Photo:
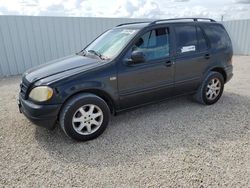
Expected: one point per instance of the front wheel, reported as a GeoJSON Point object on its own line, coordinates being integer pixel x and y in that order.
{"type": "Point", "coordinates": [211, 89]}
{"type": "Point", "coordinates": [84, 117]}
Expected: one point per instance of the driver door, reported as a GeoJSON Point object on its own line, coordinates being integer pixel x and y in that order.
{"type": "Point", "coordinates": [152, 79]}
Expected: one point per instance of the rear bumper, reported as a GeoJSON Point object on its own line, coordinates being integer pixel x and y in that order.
{"type": "Point", "coordinates": [229, 72]}
{"type": "Point", "coordinates": [41, 115]}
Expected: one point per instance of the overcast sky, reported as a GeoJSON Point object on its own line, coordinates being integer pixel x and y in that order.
{"type": "Point", "coordinates": [231, 9]}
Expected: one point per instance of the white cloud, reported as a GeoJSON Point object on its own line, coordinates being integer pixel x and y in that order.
{"type": "Point", "coordinates": [35, 7]}
{"type": "Point", "coordinates": [233, 9]}
{"type": "Point", "coordinates": [138, 9]}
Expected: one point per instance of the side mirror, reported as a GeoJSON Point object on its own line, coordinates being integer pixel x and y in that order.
{"type": "Point", "coordinates": [138, 56]}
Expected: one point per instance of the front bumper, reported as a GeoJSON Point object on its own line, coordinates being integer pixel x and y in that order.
{"type": "Point", "coordinates": [41, 115]}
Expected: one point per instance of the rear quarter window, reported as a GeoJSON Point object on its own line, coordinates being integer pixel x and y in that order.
{"type": "Point", "coordinates": [218, 36]}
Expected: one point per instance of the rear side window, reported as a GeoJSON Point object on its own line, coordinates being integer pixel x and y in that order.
{"type": "Point", "coordinates": [218, 36]}
{"type": "Point", "coordinates": [202, 41]}
{"type": "Point", "coordinates": [186, 39]}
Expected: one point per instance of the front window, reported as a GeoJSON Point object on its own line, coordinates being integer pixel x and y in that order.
{"type": "Point", "coordinates": [111, 43]}
{"type": "Point", "coordinates": [154, 44]}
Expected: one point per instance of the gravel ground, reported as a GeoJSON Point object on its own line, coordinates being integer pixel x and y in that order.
{"type": "Point", "coordinates": [178, 143]}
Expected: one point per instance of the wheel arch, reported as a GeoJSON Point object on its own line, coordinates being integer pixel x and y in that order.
{"type": "Point", "coordinates": [221, 71]}
{"type": "Point", "coordinates": [102, 94]}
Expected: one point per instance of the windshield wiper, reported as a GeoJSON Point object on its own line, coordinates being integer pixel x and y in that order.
{"type": "Point", "coordinates": [82, 52]}
{"type": "Point", "coordinates": [97, 54]}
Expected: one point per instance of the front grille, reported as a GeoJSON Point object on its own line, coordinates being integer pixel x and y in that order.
{"type": "Point", "coordinates": [24, 89]}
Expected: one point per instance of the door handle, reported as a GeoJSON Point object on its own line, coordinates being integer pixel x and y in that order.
{"type": "Point", "coordinates": [169, 63]}
{"type": "Point", "coordinates": [207, 56]}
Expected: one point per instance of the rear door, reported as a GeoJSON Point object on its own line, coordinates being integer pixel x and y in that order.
{"type": "Point", "coordinates": [150, 80]}
{"type": "Point", "coordinates": [191, 57]}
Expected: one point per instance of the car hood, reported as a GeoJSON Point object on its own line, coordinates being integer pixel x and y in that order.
{"type": "Point", "coordinates": [59, 66]}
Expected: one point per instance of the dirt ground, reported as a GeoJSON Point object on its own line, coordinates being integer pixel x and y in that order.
{"type": "Point", "coordinates": [178, 143]}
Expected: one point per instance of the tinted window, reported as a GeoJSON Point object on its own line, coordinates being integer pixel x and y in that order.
{"type": "Point", "coordinates": [154, 44]}
{"type": "Point", "coordinates": [186, 39]}
{"type": "Point", "coordinates": [218, 36]}
{"type": "Point", "coordinates": [202, 41]}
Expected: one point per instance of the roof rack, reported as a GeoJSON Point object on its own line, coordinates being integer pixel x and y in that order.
{"type": "Point", "coordinates": [173, 19]}
{"type": "Point", "coordinates": [166, 20]}
{"type": "Point", "coordinates": [129, 23]}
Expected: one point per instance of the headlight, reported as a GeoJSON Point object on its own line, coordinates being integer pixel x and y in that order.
{"type": "Point", "coordinates": [41, 93]}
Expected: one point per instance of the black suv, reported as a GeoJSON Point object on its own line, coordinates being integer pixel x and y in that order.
{"type": "Point", "coordinates": [128, 66]}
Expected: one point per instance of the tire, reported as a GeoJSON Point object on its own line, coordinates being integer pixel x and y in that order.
{"type": "Point", "coordinates": [204, 92]}
{"type": "Point", "coordinates": [84, 117]}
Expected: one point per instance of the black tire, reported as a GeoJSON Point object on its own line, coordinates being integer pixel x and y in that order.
{"type": "Point", "coordinates": [201, 96]}
{"type": "Point", "coordinates": [70, 108]}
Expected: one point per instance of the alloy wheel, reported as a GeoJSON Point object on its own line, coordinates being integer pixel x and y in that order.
{"type": "Point", "coordinates": [87, 119]}
{"type": "Point", "coordinates": [213, 89]}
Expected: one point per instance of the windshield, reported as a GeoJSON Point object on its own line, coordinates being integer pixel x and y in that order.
{"type": "Point", "coordinates": [110, 43]}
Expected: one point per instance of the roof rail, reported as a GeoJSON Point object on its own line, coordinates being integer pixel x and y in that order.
{"type": "Point", "coordinates": [173, 19]}
{"type": "Point", "coordinates": [166, 20]}
{"type": "Point", "coordinates": [129, 23]}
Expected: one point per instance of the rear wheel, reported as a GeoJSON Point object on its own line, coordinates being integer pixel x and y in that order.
{"type": "Point", "coordinates": [211, 89]}
{"type": "Point", "coordinates": [84, 117]}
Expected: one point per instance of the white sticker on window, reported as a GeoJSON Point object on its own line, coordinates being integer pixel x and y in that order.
{"type": "Point", "coordinates": [128, 31]}
{"type": "Point", "coordinates": [188, 49]}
